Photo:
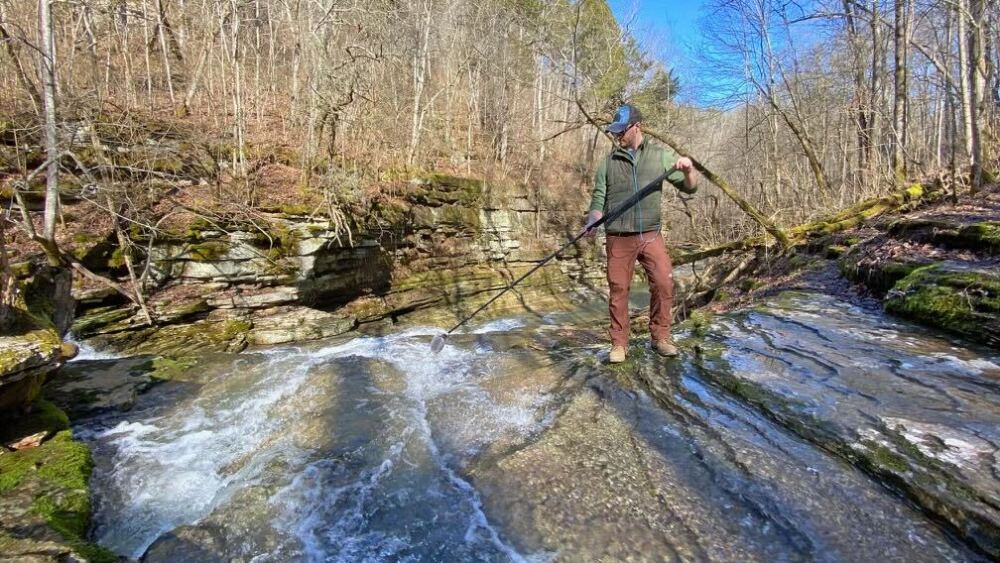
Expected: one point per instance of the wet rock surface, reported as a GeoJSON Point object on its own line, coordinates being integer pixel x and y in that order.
{"type": "Point", "coordinates": [760, 443]}
{"type": "Point", "coordinates": [915, 411]}
{"type": "Point", "coordinates": [92, 387]}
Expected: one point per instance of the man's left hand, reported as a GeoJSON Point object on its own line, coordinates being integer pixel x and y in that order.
{"type": "Point", "coordinates": [684, 164]}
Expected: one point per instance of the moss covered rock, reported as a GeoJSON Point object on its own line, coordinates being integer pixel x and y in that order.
{"type": "Point", "coordinates": [443, 189]}
{"type": "Point", "coordinates": [961, 299]}
{"type": "Point", "coordinates": [101, 320]}
{"type": "Point", "coordinates": [26, 359]}
{"type": "Point", "coordinates": [44, 496]}
{"type": "Point", "coordinates": [209, 335]}
{"type": "Point", "coordinates": [93, 387]}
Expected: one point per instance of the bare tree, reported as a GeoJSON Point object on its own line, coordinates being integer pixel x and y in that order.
{"type": "Point", "coordinates": [47, 76]}
{"type": "Point", "coordinates": [899, 114]}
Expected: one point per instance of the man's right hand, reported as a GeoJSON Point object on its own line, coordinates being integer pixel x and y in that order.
{"type": "Point", "coordinates": [593, 217]}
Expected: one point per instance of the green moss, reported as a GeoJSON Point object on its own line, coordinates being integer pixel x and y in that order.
{"type": "Point", "coordinates": [21, 270]}
{"type": "Point", "coordinates": [451, 183]}
{"type": "Point", "coordinates": [295, 209]}
{"type": "Point", "coordinates": [985, 235]}
{"type": "Point", "coordinates": [59, 470]}
{"type": "Point", "coordinates": [68, 517]}
{"type": "Point", "coordinates": [9, 359]}
{"type": "Point", "coordinates": [720, 295]}
{"type": "Point", "coordinates": [914, 191]}
{"type": "Point", "coordinates": [196, 229]}
{"type": "Point", "coordinates": [636, 357]}
{"type": "Point", "coordinates": [947, 231]}
{"type": "Point", "coordinates": [233, 328]}
{"type": "Point", "coordinates": [79, 252]}
{"type": "Point", "coordinates": [962, 301]}
{"type": "Point", "coordinates": [37, 297]}
{"type": "Point", "coordinates": [167, 369]}
{"type": "Point", "coordinates": [878, 276]}
{"type": "Point", "coordinates": [87, 238]}
{"type": "Point", "coordinates": [836, 250]}
{"type": "Point", "coordinates": [117, 258]}
{"type": "Point", "coordinates": [185, 310]}
{"type": "Point", "coordinates": [168, 163]}
{"type": "Point", "coordinates": [460, 216]}
{"type": "Point", "coordinates": [60, 461]}
{"type": "Point", "coordinates": [208, 251]}
{"type": "Point", "coordinates": [446, 277]}
{"type": "Point", "coordinates": [799, 261]}
{"type": "Point", "coordinates": [884, 458]}
{"type": "Point", "coordinates": [281, 241]}
{"type": "Point", "coordinates": [699, 321]}
{"type": "Point", "coordinates": [393, 212]}
{"type": "Point", "coordinates": [96, 320]}
{"type": "Point", "coordinates": [179, 340]}
{"type": "Point", "coordinates": [445, 189]}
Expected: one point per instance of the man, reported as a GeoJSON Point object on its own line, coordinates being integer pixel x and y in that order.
{"type": "Point", "coordinates": [633, 164]}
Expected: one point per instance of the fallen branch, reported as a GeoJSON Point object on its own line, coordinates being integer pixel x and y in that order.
{"type": "Point", "coordinates": [840, 221]}
{"type": "Point", "coordinates": [723, 185]}
{"type": "Point", "coordinates": [867, 209]}
{"type": "Point", "coordinates": [736, 245]}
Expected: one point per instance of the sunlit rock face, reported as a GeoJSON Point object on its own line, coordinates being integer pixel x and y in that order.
{"type": "Point", "coordinates": [445, 244]}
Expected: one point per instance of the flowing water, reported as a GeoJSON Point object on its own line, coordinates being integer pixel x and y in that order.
{"type": "Point", "coordinates": [509, 445]}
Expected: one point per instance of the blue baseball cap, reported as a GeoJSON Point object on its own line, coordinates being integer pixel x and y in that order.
{"type": "Point", "coordinates": [625, 116]}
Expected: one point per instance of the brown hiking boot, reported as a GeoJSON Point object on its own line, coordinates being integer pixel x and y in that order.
{"type": "Point", "coordinates": [665, 347]}
{"type": "Point", "coordinates": [617, 354]}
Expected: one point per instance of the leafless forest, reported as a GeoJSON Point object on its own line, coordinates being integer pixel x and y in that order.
{"type": "Point", "coordinates": [807, 107]}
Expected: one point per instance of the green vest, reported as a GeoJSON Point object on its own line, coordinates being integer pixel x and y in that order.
{"type": "Point", "coordinates": [627, 175]}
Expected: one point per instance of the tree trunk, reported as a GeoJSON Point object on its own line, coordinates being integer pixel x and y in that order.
{"type": "Point", "coordinates": [899, 100]}
{"type": "Point", "coordinates": [421, 59]}
{"type": "Point", "coordinates": [123, 247]}
{"type": "Point", "coordinates": [965, 86]}
{"type": "Point", "coordinates": [860, 115]}
{"type": "Point", "coordinates": [8, 284]}
{"type": "Point", "coordinates": [977, 79]}
{"type": "Point", "coordinates": [161, 28]}
{"type": "Point", "coordinates": [48, 78]}
{"type": "Point", "coordinates": [874, 120]}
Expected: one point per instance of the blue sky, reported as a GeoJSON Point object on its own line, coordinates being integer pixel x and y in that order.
{"type": "Point", "coordinates": [668, 29]}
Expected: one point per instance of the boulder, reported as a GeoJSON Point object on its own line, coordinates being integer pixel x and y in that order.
{"type": "Point", "coordinates": [44, 494]}
{"type": "Point", "coordinates": [25, 361]}
{"type": "Point", "coordinates": [960, 298]}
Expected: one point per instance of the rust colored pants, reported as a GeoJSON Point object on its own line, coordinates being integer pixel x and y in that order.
{"type": "Point", "coordinates": [651, 251]}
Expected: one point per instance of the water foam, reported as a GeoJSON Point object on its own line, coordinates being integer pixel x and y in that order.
{"type": "Point", "coordinates": [176, 468]}
{"type": "Point", "coordinates": [87, 352]}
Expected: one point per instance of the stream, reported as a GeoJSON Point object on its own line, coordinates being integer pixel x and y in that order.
{"type": "Point", "coordinates": [516, 443]}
